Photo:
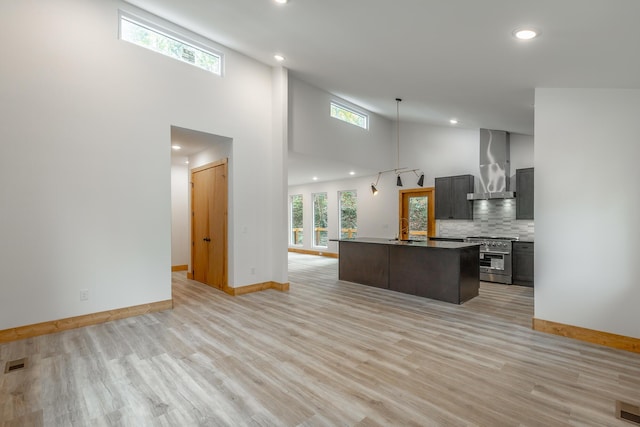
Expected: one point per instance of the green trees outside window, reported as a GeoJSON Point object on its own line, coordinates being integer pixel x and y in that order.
{"type": "Point", "coordinates": [418, 219]}
{"type": "Point", "coordinates": [348, 213]}
{"type": "Point", "coordinates": [320, 235]}
{"type": "Point", "coordinates": [297, 231]}
{"type": "Point", "coordinates": [348, 115]}
{"type": "Point", "coordinates": [156, 41]}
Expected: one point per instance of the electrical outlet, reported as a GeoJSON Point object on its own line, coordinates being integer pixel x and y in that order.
{"type": "Point", "coordinates": [84, 294]}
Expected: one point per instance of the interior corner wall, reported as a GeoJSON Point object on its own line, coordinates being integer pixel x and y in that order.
{"type": "Point", "coordinates": [85, 160]}
{"type": "Point", "coordinates": [278, 163]}
{"type": "Point", "coordinates": [587, 204]}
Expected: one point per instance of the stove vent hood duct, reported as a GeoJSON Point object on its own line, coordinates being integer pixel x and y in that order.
{"type": "Point", "coordinates": [494, 166]}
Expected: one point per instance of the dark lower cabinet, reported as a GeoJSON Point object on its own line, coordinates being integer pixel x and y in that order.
{"type": "Point", "coordinates": [365, 264]}
{"type": "Point", "coordinates": [441, 274]}
{"type": "Point", "coordinates": [522, 263]}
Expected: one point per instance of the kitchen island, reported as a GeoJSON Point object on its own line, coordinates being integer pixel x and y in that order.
{"type": "Point", "coordinates": [445, 271]}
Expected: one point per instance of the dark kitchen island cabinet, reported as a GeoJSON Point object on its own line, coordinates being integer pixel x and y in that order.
{"type": "Point", "coordinates": [451, 197]}
{"type": "Point", "coordinates": [445, 271]}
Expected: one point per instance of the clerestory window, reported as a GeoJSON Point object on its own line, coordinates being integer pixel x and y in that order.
{"type": "Point", "coordinates": [164, 41]}
{"type": "Point", "coordinates": [349, 115]}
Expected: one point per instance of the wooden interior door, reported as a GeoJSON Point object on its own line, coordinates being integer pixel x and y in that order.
{"type": "Point", "coordinates": [411, 228]}
{"type": "Point", "coordinates": [209, 224]}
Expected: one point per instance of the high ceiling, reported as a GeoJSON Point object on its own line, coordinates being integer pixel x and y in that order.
{"type": "Point", "coordinates": [445, 58]}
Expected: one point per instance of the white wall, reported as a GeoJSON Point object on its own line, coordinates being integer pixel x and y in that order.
{"type": "Point", "coordinates": [180, 231]}
{"type": "Point", "coordinates": [313, 132]}
{"type": "Point", "coordinates": [439, 150]}
{"type": "Point", "coordinates": [522, 154]}
{"type": "Point", "coordinates": [85, 161]}
{"type": "Point", "coordinates": [587, 204]}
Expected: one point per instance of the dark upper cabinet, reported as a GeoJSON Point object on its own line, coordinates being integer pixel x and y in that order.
{"type": "Point", "coordinates": [451, 197]}
{"type": "Point", "coordinates": [524, 193]}
{"type": "Point", "coordinates": [443, 198]}
{"type": "Point", "coordinates": [522, 263]}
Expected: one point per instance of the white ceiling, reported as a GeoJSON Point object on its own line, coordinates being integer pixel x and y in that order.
{"type": "Point", "coordinates": [302, 169]}
{"type": "Point", "coordinates": [191, 142]}
{"type": "Point", "coordinates": [445, 58]}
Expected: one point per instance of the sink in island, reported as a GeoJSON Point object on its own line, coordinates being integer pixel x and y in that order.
{"type": "Point", "coordinates": [445, 271]}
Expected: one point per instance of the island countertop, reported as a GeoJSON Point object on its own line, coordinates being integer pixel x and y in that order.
{"type": "Point", "coordinates": [417, 243]}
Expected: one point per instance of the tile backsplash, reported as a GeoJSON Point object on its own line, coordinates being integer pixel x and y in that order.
{"type": "Point", "coordinates": [490, 218]}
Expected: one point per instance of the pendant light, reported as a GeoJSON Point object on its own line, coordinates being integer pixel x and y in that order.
{"type": "Point", "coordinates": [398, 170]}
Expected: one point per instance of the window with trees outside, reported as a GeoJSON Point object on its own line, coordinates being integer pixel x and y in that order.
{"type": "Point", "coordinates": [160, 40]}
{"type": "Point", "coordinates": [348, 201]}
{"type": "Point", "coordinates": [418, 211]}
{"type": "Point", "coordinates": [296, 217]}
{"type": "Point", "coordinates": [320, 235]}
{"type": "Point", "coordinates": [349, 115]}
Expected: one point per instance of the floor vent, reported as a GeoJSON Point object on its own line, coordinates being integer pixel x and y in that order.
{"type": "Point", "coordinates": [628, 412]}
{"type": "Point", "coordinates": [15, 365]}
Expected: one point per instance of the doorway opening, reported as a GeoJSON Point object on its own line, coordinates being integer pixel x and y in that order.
{"type": "Point", "coordinates": [192, 150]}
{"type": "Point", "coordinates": [417, 219]}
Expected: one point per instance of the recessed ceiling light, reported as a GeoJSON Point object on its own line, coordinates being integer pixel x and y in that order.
{"type": "Point", "coordinates": [186, 162]}
{"type": "Point", "coordinates": [352, 173]}
{"type": "Point", "coordinates": [278, 58]}
{"type": "Point", "coordinates": [281, 1]}
{"type": "Point", "coordinates": [315, 178]}
{"type": "Point", "coordinates": [453, 121]}
{"type": "Point", "coordinates": [525, 33]}
{"type": "Point", "coordinates": [176, 147]}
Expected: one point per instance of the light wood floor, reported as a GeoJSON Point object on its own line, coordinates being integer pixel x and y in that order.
{"type": "Point", "coordinates": [326, 353]}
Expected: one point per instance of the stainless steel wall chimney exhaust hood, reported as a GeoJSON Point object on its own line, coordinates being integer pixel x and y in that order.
{"type": "Point", "coordinates": [495, 169]}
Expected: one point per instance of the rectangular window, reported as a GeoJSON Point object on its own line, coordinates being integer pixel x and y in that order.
{"type": "Point", "coordinates": [348, 214]}
{"type": "Point", "coordinates": [418, 217]}
{"type": "Point", "coordinates": [320, 235]}
{"type": "Point", "coordinates": [164, 41]}
{"type": "Point", "coordinates": [349, 115]}
{"type": "Point", "coordinates": [295, 212]}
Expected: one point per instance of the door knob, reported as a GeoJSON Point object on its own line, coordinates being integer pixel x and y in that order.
{"type": "Point", "coordinates": [206, 239]}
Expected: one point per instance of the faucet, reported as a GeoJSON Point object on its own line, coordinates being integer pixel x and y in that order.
{"type": "Point", "coordinates": [404, 228]}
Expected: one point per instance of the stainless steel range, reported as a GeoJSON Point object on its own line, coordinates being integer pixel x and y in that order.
{"type": "Point", "coordinates": [495, 258]}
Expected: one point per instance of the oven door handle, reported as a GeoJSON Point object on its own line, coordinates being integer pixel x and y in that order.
{"type": "Point", "coordinates": [497, 253]}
